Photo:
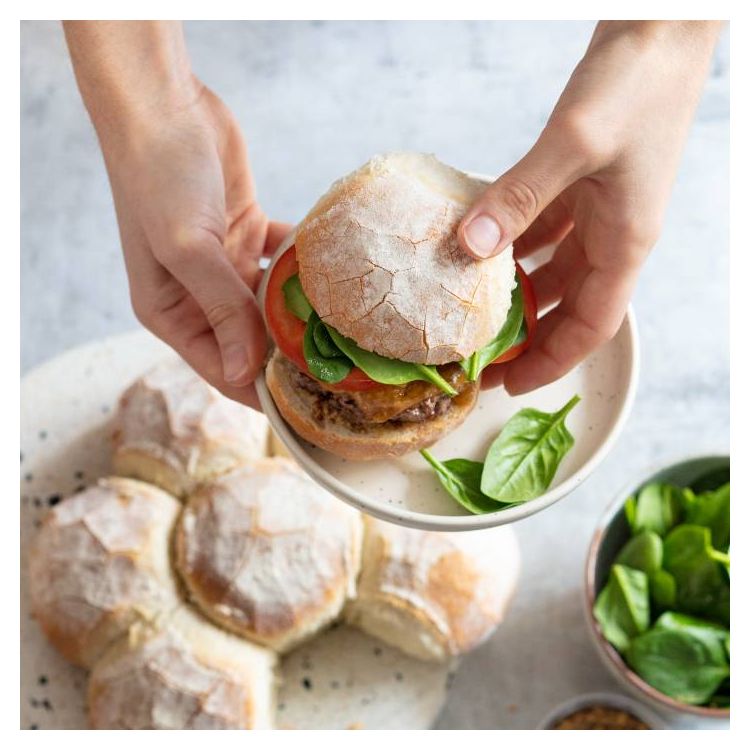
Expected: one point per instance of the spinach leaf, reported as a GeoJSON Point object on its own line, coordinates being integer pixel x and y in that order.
{"type": "Point", "coordinates": [711, 480]}
{"type": "Point", "coordinates": [663, 589]}
{"type": "Point", "coordinates": [523, 459]}
{"type": "Point", "coordinates": [622, 608]}
{"type": "Point", "coordinates": [330, 369]}
{"type": "Point", "coordinates": [505, 338]}
{"type": "Point", "coordinates": [324, 342]}
{"type": "Point", "coordinates": [295, 299]}
{"type": "Point", "coordinates": [702, 584]}
{"type": "Point", "coordinates": [629, 509]}
{"type": "Point", "coordinates": [711, 509]}
{"type": "Point", "coordinates": [389, 371]}
{"type": "Point", "coordinates": [461, 478]}
{"type": "Point", "coordinates": [678, 663]}
{"type": "Point", "coordinates": [642, 552]}
{"type": "Point", "coordinates": [658, 509]}
{"type": "Point", "coordinates": [713, 636]}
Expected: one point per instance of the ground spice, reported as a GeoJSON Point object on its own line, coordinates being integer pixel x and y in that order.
{"type": "Point", "coordinates": [600, 717]}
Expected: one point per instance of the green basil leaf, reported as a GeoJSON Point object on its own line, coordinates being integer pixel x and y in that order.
{"type": "Point", "coordinates": [711, 509]}
{"type": "Point", "coordinates": [504, 340]}
{"type": "Point", "coordinates": [702, 583]}
{"type": "Point", "coordinates": [663, 589]}
{"type": "Point", "coordinates": [328, 369]}
{"type": "Point", "coordinates": [658, 508]}
{"type": "Point", "coordinates": [461, 478]}
{"type": "Point", "coordinates": [389, 371]}
{"type": "Point", "coordinates": [642, 552]}
{"type": "Point", "coordinates": [678, 664]}
{"type": "Point", "coordinates": [295, 298]}
{"type": "Point", "coordinates": [622, 607]}
{"type": "Point", "coordinates": [523, 459]}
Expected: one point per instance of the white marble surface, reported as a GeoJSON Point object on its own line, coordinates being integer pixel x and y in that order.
{"type": "Point", "coordinates": [315, 100]}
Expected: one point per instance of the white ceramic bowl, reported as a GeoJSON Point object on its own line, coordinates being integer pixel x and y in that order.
{"type": "Point", "coordinates": [610, 535]}
{"type": "Point", "coordinates": [405, 491]}
{"type": "Point", "coordinates": [610, 700]}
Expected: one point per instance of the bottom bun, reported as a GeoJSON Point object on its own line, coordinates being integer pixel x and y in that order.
{"type": "Point", "coordinates": [389, 439]}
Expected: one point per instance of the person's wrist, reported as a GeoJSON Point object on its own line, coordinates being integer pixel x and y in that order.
{"type": "Point", "coordinates": [686, 36]}
{"type": "Point", "coordinates": [131, 74]}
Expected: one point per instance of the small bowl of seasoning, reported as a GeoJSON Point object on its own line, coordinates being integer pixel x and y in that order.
{"type": "Point", "coordinates": [601, 711]}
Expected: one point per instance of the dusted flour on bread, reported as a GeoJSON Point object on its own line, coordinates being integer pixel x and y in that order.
{"type": "Point", "coordinates": [434, 594]}
{"type": "Point", "coordinates": [176, 431]}
{"type": "Point", "coordinates": [183, 674]}
{"type": "Point", "coordinates": [101, 563]}
{"type": "Point", "coordinates": [268, 553]}
{"type": "Point", "coordinates": [379, 261]}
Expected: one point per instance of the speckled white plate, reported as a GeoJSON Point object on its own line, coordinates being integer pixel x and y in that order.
{"type": "Point", "coordinates": [407, 492]}
{"type": "Point", "coordinates": [342, 679]}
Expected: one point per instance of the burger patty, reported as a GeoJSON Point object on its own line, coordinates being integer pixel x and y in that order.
{"type": "Point", "coordinates": [387, 404]}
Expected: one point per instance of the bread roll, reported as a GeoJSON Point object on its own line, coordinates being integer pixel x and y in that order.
{"type": "Point", "coordinates": [276, 447]}
{"type": "Point", "coordinates": [182, 673]}
{"type": "Point", "coordinates": [379, 261]}
{"type": "Point", "coordinates": [434, 594]}
{"type": "Point", "coordinates": [176, 431]}
{"type": "Point", "coordinates": [100, 563]}
{"type": "Point", "coordinates": [268, 554]}
{"type": "Point", "coordinates": [363, 443]}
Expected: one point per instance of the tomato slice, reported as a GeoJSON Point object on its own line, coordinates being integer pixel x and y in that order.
{"type": "Point", "coordinates": [288, 330]}
{"type": "Point", "coordinates": [529, 316]}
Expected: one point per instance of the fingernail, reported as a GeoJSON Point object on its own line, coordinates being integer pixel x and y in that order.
{"type": "Point", "coordinates": [234, 360]}
{"type": "Point", "coordinates": [483, 234]}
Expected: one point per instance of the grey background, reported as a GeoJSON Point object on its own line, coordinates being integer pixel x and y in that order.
{"type": "Point", "coordinates": [315, 100]}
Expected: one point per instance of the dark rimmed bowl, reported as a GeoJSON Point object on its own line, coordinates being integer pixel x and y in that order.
{"type": "Point", "coordinates": [611, 534]}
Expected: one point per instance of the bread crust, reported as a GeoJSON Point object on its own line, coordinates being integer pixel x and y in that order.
{"type": "Point", "coordinates": [385, 440]}
{"type": "Point", "coordinates": [379, 261]}
{"type": "Point", "coordinates": [174, 430]}
{"type": "Point", "coordinates": [268, 554]}
{"type": "Point", "coordinates": [434, 595]}
{"type": "Point", "coordinates": [100, 563]}
{"type": "Point", "coordinates": [182, 673]}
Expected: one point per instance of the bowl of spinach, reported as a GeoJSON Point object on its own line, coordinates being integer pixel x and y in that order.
{"type": "Point", "coordinates": [657, 587]}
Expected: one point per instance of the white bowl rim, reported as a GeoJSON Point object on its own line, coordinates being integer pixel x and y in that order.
{"type": "Point", "coordinates": [431, 521]}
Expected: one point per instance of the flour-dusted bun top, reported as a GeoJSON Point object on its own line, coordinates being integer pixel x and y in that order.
{"type": "Point", "coordinates": [101, 563]}
{"type": "Point", "coordinates": [434, 594]}
{"type": "Point", "coordinates": [379, 261]}
{"type": "Point", "coordinates": [267, 553]}
{"type": "Point", "coordinates": [175, 430]}
{"type": "Point", "coordinates": [182, 673]}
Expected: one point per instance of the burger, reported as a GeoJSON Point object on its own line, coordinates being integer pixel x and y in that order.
{"type": "Point", "coordinates": [382, 325]}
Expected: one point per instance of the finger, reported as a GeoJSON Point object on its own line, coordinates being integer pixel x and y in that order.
{"type": "Point", "coordinates": [197, 260]}
{"type": "Point", "coordinates": [549, 228]}
{"type": "Point", "coordinates": [552, 280]}
{"type": "Point", "coordinates": [589, 315]}
{"type": "Point", "coordinates": [200, 352]}
{"type": "Point", "coordinates": [508, 207]}
{"type": "Point", "coordinates": [185, 328]}
{"type": "Point", "coordinates": [277, 233]}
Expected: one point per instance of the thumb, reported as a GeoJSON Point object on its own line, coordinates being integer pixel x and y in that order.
{"type": "Point", "coordinates": [201, 266]}
{"type": "Point", "coordinates": [508, 207]}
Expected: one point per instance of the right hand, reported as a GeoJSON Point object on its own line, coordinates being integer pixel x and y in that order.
{"type": "Point", "coordinates": [192, 233]}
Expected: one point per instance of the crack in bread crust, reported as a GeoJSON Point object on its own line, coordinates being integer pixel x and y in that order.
{"type": "Point", "coordinates": [379, 261]}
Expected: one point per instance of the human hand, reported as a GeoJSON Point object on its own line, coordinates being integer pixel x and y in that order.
{"type": "Point", "coordinates": [595, 184]}
{"type": "Point", "coordinates": [191, 228]}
